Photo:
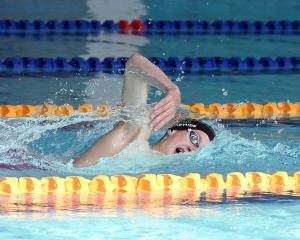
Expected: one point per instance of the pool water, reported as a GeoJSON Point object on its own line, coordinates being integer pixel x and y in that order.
{"type": "Point", "coordinates": [267, 218]}
{"type": "Point", "coordinates": [43, 146]}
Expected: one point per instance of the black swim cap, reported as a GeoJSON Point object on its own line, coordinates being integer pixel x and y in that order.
{"type": "Point", "coordinates": [195, 124]}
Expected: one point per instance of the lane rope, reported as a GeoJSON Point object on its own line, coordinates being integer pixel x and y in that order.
{"type": "Point", "coordinates": [250, 181]}
{"type": "Point", "coordinates": [137, 26]}
{"type": "Point", "coordinates": [230, 111]}
{"type": "Point", "coordinates": [174, 64]}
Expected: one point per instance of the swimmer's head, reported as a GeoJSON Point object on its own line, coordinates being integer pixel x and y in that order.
{"type": "Point", "coordinates": [186, 136]}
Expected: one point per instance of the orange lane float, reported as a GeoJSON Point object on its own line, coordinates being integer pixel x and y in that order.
{"type": "Point", "coordinates": [249, 182]}
{"type": "Point", "coordinates": [247, 110]}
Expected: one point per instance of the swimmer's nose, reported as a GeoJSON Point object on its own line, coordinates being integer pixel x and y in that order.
{"type": "Point", "coordinates": [192, 148]}
{"type": "Point", "coordinates": [186, 148]}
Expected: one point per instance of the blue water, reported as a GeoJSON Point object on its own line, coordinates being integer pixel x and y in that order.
{"type": "Point", "coordinates": [46, 144]}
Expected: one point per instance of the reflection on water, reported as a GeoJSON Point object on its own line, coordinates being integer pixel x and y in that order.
{"type": "Point", "coordinates": [171, 204]}
{"type": "Point", "coordinates": [181, 220]}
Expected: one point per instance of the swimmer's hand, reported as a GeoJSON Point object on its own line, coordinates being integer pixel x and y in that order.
{"type": "Point", "coordinates": [165, 109]}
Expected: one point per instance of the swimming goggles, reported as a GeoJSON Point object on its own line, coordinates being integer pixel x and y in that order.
{"type": "Point", "coordinates": [195, 124]}
{"type": "Point", "coordinates": [194, 138]}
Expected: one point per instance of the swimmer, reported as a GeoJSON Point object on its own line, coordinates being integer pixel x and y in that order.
{"type": "Point", "coordinates": [186, 136]}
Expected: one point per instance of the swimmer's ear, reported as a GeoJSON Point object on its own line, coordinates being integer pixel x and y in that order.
{"type": "Point", "coordinates": [170, 132]}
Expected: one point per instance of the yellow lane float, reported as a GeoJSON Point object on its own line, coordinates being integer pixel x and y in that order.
{"type": "Point", "coordinates": [248, 182]}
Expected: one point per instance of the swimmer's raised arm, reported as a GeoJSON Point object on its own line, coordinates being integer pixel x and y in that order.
{"type": "Point", "coordinates": [139, 72]}
{"type": "Point", "coordinates": [142, 70]}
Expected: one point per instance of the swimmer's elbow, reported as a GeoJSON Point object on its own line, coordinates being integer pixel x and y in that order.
{"type": "Point", "coordinates": [135, 58]}
{"type": "Point", "coordinates": [82, 162]}
{"type": "Point", "coordinates": [77, 163]}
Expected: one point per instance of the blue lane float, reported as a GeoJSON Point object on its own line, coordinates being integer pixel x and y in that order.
{"type": "Point", "coordinates": [174, 64]}
{"type": "Point", "coordinates": [149, 27]}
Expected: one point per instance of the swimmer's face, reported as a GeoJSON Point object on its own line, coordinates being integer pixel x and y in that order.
{"type": "Point", "coordinates": [179, 141]}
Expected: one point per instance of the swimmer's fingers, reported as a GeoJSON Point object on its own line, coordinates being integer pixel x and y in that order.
{"type": "Point", "coordinates": [161, 108]}
{"type": "Point", "coordinates": [162, 119]}
{"type": "Point", "coordinates": [173, 95]}
{"type": "Point", "coordinates": [168, 106]}
{"type": "Point", "coordinates": [165, 110]}
{"type": "Point", "coordinates": [163, 122]}
{"type": "Point", "coordinates": [163, 102]}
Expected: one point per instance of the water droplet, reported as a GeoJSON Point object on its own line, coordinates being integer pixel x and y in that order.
{"type": "Point", "coordinates": [179, 79]}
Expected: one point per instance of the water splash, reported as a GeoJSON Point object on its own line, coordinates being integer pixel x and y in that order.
{"type": "Point", "coordinates": [48, 143]}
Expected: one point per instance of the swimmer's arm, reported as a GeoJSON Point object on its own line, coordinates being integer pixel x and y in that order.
{"type": "Point", "coordinates": [109, 144]}
{"type": "Point", "coordinates": [140, 69]}
{"type": "Point", "coordinates": [139, 73]}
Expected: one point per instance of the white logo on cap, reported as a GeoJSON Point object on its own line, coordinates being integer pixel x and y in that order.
{"type": "Point", "coordinates": [186, 125]}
